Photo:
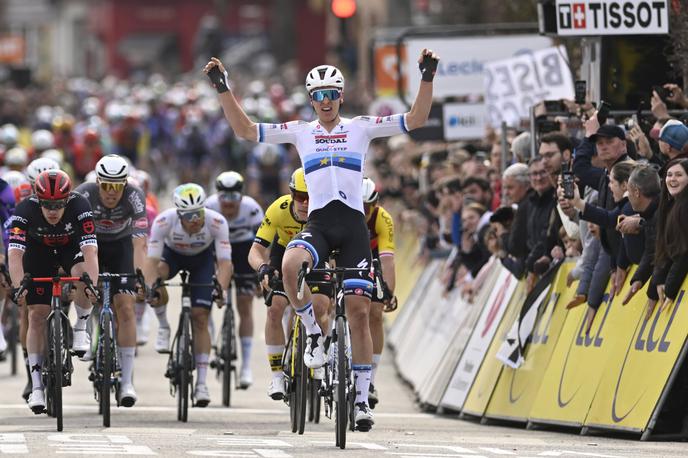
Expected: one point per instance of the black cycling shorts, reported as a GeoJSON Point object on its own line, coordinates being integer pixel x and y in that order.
{"type": "Point", "coordinates": [201, 268]}
{"type": "Point", "coordinates": [117, 257]}
{"type": "Point", "coordinates": [245, 277]}
{"type": "Point", "coordinates": [338, 226]}
{"type": "Point", "coordinates": [42, 261]}
{"type": "Point", "coordinates": [317, 282]}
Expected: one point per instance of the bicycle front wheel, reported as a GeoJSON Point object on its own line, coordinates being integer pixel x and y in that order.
{"type": "Point", "coordinates": [227, 363]}
{"type": "Point", "coordinates": [106, 369]}
{"type": "Point", "coordinates": [301, 373]}
{"type": "Point", "coordinates": [184, 368]}
{"type": "Point", "coordinates": [341, 379]}
{"type": "Point", "coordinates": [56, 363]}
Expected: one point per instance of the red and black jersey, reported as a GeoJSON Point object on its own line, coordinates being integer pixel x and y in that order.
{"type": "Point", "coordinates": [76, 227]}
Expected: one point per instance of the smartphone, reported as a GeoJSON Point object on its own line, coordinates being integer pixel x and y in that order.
{"type": "Point", "coordinates": [603, 112]}
{"type": "Point", "coordinates": [567, 180]}
{"type": "Point", "coordinates": [662, 92]}
{"type": "Point", "coordinates": [555, 106]}
{"type": "Point", "coordinates": [580, 88]}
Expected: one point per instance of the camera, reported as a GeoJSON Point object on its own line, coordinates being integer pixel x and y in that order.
{"type": "Point", "coordinates": [662, 92]}
{"type": "Point", "coordinates": [567, 180]}
{"type": "Point", "coordinates": [603, 112]}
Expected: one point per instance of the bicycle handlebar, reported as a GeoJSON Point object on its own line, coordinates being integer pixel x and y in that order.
{"type": "Point", "coordinates": [305, 270]}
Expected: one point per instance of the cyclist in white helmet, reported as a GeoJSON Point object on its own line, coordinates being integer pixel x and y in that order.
{"type": "Point", "coordinates": [39, 165]}
{"type": "Point", "coordinates": [332, 150]}
{"type": "Point", "coordinates": [193, 238]}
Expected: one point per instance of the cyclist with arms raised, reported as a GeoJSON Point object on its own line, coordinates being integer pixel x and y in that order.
{"type": "Point", "coordinates": [51, 229]}
{"type": "Point", "coordinates": [243, 215]}
{"type": "Point", "coordinates": [193, 238]}
{"type": "Point", "coordinates": [119, 210]}
{"type": "Point", "coordinates": [332, 150]}
{"type": "Point", "coordinates": [284, 218]}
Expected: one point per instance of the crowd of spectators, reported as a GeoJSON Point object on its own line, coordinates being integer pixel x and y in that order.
{"type": "Point", "coordinates": [629, 204]}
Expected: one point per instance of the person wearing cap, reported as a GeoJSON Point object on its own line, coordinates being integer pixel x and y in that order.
{"type": "Point", "coordinates": [672, 141]}
{"type": "Point", "coordinates": [607, 144]}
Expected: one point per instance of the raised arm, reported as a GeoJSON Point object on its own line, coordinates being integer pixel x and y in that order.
{"type": "Point", "coordinates": [420, 110]}
{"type": "Point", "coordinates": [237, 118]}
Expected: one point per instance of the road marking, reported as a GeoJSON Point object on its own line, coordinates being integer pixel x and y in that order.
{"type": "Point", "coordinates": [497, 451]}
{"type": "Point", "coordinates": [569, 452]}
{"type": "Point", "coordinates": [271, 453]}
{"type": "Point", "coordinates": [248, 442]}
{"type": "Point", "coordinates": [364, 445]}
{"type": "Point", "coordinates": [459, 455]}
{"type": "Point", "coordinates": [96, 444]}
{"type": "Point", "coordinates": [451, 448]}
{"type": "Point", "coordinates": [13, 444]}
{"type": "Point", "coordinates": [221, 453]}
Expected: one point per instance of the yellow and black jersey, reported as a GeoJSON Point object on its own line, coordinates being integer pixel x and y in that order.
{"type": "Point", "coordinates": [279, 221]}
{"type": "Point", "coordinates": [381, 228]}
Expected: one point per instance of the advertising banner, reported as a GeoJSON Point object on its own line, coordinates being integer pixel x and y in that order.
{"type": "Point", "coordinates": [612, 17]}
{"type": "Point", "coordinates": [481, 337]}
{"type": "Point", "coordinates": [517, 388]}
{"type": "Point", "coordinates": [464, 121]}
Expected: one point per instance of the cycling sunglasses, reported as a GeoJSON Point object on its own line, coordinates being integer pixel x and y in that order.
{"type": "Point", "coordinates": [229, 196]}
{"type": "Point", "coordinates": [299, 196]}
{"type": "Point", "coordinates": [53, 204]}
{"type": "Point", "coordinates": [192, 215]}
{"type": "Point", "coordinates": [332, 94]}
{"type": "Point", "coordinates": [110, 186]}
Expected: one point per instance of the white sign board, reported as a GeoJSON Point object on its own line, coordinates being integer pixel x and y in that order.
{"type": "Point", "coordinates": [612, 17]}
{"type": "Point", "coordinates": [512, 86]}
{"type": "Point", "coordinates": [483, 333]}
{"type": "Point", "coordinates": [464, 121]}
{"type": "Point", "coordinates": [460, 71]}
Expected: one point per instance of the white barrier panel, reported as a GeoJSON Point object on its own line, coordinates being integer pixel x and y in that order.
{"type": "Point", "coordinates": [477, 346]}
{"type": "Point", "coordinates": [437, 378]}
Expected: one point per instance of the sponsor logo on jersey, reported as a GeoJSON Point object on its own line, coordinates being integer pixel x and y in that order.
{"type": "Point", "coordinates": [19, 218]}
{"type": "Point", "coordinates": [17, 231]}
{"type": "Point", "coordinates": [89, 227]}
{"type": "Point", "coordinates": [68, 227]}
{"type": "Point", "coordinates": [55, 240]}
{"type": "Point", "coordinates": [338, 138]}
{"type": "Point", "coordinates": [141, 223]}
{"type": "Point", "coordinates": [84, 215]}
{"type": "Point", "coordinates": [136, 202]}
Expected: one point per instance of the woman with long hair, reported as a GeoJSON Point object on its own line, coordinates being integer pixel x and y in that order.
{"type": "Point", "coordinates": [671, 254]}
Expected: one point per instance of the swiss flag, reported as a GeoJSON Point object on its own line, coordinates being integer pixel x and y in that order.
{"type": "Point", "coordinates": [579, 15]}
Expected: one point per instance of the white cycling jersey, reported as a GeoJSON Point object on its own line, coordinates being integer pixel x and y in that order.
{"type": "Point", "coordinates": [333, 161]}
{"type": "Point", "coordinates": [167, 230]}
{"type": "Point", "coordinates": [243, 227]}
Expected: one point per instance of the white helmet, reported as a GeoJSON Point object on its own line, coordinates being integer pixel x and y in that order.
{"type": "Point", "coordinates": [42, 139]}
{"type": "Point", "coordinates": [229, 182]}
{"type": "Point", "coordinates": [370, 194]}
{"type": "Point", "coordinates": [324, 76]}
{"type": "Point", "coordinates": [90, 177]}
{"type": "Point", "coordinates": [9, 134]}
{"type": "Point", "coordinates": [40, 165]}
{"type": "Point", "coordinates": [144, 179]}
{"type": "Point", "coordinates": [54, 154]}
{"type": "Point", "coordinates": [15, 178]}
{"type": "Point", "coordinates": [189, 196]}
{"type": "Point", "coordinates": [112, 168]}
{"type": "Point", "coordinates": [16, 157]}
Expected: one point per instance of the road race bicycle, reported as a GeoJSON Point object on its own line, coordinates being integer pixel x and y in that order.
{"type": "Point", "coordinates": [105, 370]}
{"type": "Point", "coordinates": [338, 388]}
{"type": "Point", "coordinates": [226, 349]}
{"type": "Point", "coordinates": [58, 368]}
{"type": "Point", "coordinates": [181, 363]}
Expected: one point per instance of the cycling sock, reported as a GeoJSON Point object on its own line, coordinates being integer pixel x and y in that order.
{"type": "Point", "coordinates": [3, 342]}
{"type": "Point", "coordinates": [126, 360]}
{"type": "Point", "coordinates": [308, 319]}
{"type": "Point", "coordinates": [26, 363]}
{"type": "Point", "coordinates": [82, 315]}
{"type": "Point", "coordinates": [140, 310]}
{"type": "Point", "coordinates": [376, 362]}
{"type": "Point", "coordinates": [362, 378]}
{"type": "Point", "coordinates": [211, 327]}
{"type": "Point", "coordinates": [275, 359]}
{"type": "Point", "coordinates": [246, 345]}
{"type": "Point", "coordinates": [201, 367]}
{"type": "Point", "coordinates": [35, 363]}
{"type": "Point", "coordinates": [161, 313]}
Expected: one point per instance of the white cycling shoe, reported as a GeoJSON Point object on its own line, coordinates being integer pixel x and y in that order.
{"type": "Point", "coordinates": [37, 401]}
{"type": "Point", "coordinates": [276, 390]}
{"type": "Point", "coordinates": [127, 395]}
{"type": "Point", "coordinates": [141, 332]}
{"type": "Point", "coordinates": [363, 417]}
{"type": "Point", "coordinates": [162, 342]}
{"type": "Point", "coordinates": [82, 342]}
{"type": "Point", "coordinates": [314, 356]}
{"type": "Point", "coordinates": [245, 378]}
{"type": "Point", "coordinates": [319, 373]}
{"type": "Point", "coordinates": [202, 395]}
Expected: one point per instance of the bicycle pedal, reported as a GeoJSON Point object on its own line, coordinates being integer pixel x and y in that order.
{"type": "Point", "coordinates": [38, 411]}
{"type": "Point", "coordinates": [364, 428]}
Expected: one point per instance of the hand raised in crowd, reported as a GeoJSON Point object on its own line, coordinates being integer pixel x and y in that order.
{"type": "Point", "coordinates": [635, 287]}
{"type": "Point", "coordinates": [658, 107]}
{"type": "Point", "coordinates": [676, 95]}
{"type": "Point", "coordinates": [570, 205]}
{"type": "Point", "coordinates": [650, 308]}
{"type": "Point", "coordinates": [642, 144]}
{"type": "Point", "coordinates": [558, 253]}
{"type": "Point", "coordinates": [592, 125]}
{"type": "Point", "coordinates": [628, 224]}
{"type": "Point", "coordinates": [619, 278]}
{"type": "Point", "coordinates": [660, 293]}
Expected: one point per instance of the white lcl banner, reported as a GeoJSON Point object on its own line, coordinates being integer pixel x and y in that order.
{"type": "Point", "coordinates": [513, 85]}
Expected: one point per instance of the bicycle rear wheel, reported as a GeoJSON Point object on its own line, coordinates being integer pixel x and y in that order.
{"type": "Point", "coordinates": [314, 400]}
{"type": "Point", "coordinates": [106, 369]}
{"type": "Point", "coordinates": [227, 350]}
{"type": "Point", "coordinates": [13, 337]}
{"type": "Point", "coordinates": [301, 385]}
{"type": "Point", "coordinates": [341, 365]}
{"type": "Point", "coordinates": [184, 368]}
{"type": "Point", "coordinates": [56, 363]}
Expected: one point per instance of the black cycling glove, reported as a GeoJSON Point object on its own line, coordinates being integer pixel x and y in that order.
{"type": "Point", "coordinates": [428, 67]}
{"type": "Point", "coordinates": [264, 270]}
{"type": "Point", "coordinates": [219, 79]}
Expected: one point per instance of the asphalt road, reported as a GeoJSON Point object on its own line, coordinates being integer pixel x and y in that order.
{"type": "Point", "coordinates": [256, 426]}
